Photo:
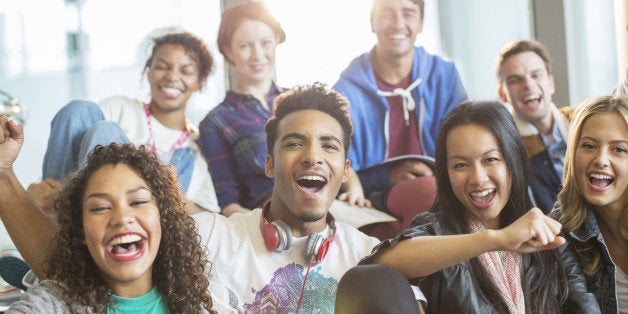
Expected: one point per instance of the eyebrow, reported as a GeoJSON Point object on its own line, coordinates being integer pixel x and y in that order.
{"type": "Point", "coordinates": [302, 136]}
{"type": "Point", "coordinates": [597, 141]}
{"type": "Point", "coordinates": [192, 63]}
{"type": "Point", "coordinates": [483, 154]}
{"type": "Point", "coordinates": [105, 195]}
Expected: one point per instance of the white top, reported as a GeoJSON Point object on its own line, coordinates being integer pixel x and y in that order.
{"type": "Point", "coordinates": [621, 290]}
{"type": "Point", "coordinates": [249, 278]}
{"type": "Point", "coordinates": [131, 116]}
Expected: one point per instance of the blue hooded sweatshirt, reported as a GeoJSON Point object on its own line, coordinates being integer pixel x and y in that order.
{"type": "Point", "coordinates": [439, 91]}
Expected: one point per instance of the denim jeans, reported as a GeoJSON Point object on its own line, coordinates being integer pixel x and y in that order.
{"type": "Point", "coordinates": [78, 127]}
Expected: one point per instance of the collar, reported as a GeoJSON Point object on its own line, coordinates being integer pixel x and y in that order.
{"type": "Point", "coordinates": [244, 99]}
{"type": "Point", "coordinates": [528, 129]}
{"type": "Point", "coordinates": [589, 229]}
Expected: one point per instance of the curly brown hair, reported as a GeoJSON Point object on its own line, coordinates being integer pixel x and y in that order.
{"type": "Point", "coordinates": [194, 47]}
{"type": "Point", "coordinates": [180, 270]}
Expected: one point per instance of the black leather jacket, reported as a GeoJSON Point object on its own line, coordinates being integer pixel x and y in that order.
{"type": "Point", "coordinates": [455, 289]}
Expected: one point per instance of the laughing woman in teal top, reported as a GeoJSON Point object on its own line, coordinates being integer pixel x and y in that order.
{"type": "Point", "coordinates": [124, 243]}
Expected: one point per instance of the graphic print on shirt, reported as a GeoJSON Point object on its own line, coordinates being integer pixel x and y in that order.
{"type": "Point", "coordinates": [282, 293]}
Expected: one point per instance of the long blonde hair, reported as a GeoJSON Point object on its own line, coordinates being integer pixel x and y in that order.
{"type": "Point", "coordinates": [570, 198]}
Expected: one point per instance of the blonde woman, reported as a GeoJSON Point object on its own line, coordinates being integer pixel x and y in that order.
{"type": "Point", "coordinates": [592, 203]}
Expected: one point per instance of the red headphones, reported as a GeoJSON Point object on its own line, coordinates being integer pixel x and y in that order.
{"type": "Point", "coordinates": [278, 237]}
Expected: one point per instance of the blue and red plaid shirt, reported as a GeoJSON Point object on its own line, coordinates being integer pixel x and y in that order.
{"type": "Point", "coordinates": [233, 141]}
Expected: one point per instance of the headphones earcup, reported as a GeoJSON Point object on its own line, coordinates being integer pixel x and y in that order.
{"type": "Point", "coordinates": [283, 234]}
{"type": "Point", "coordinates": [270, 235]}
{"type": "Point", "coordinates": [314, 244]}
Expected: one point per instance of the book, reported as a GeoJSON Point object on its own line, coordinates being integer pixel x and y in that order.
{"type": "Point", "coordinates": [358, 216]}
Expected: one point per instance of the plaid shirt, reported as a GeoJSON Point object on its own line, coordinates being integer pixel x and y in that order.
{"type": "Point", "coordinates": [233, 141]}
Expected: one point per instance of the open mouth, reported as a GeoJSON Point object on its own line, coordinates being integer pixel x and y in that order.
{"type": "Point", "coordinates": [483, 198]}
{"type": "Point", "coordinates": [600, 181]}
{"type": "Point", "coordinates": [312, 183]}
{"type": "Point", "coordinates": [532, 100]}
{"type": "Point", "coordinates": [126, 247]}
{"type": "Point", "coordinates": [170, 92]}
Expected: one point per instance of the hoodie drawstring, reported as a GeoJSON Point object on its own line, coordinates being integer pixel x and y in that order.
{"type": "Point", "coordinates": [406, 96]}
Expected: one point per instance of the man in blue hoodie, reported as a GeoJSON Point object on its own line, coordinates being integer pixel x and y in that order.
{"type": "Point", "coordinates": [398, 95]}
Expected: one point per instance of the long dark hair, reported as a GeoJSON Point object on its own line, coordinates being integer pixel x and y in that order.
{"type": "Point", "coordinates": [545, 285]}
{"type": "Point", "coordinates": [180, 268]}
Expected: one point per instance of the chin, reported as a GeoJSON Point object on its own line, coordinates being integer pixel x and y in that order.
{"type": "Point", "coordinates": [311, 216]}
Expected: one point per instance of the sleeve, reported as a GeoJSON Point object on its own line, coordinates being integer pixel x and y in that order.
{"type": "Point", "coordinates": [113, 107]}
{"type": "Point", "coordinates": [374, 178]}
{"type": "Point", "coordinates": [220, 161]}
{"type": "Point", "coordinates": [43, 298]}
{"type": "Point", "coordinates": [579, 299]}
{"type": "Point", "coordinates": [205, 195]}
{"type": "Point", "coordinates": [425, 224]}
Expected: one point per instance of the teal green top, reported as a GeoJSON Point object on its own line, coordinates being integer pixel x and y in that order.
{"type": "Point", "coordinates": [152, 302]}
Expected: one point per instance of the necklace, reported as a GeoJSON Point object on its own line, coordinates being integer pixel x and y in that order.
{"type": "Point", "coordinates": [151, 139]}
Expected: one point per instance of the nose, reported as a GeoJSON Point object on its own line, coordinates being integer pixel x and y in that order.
{"type": "Point", "coordinates": [172, 75]}
{"type": "Point", "coordinates": [311, 155]}
{"type": "Point", "coordinates": [601, 159]}
{"type": "Point", "coordinates": [121, 215]}
{"type": "Point", "coordinates": [529, 82]}
{"type": "Point", "coordinates": [396, 19]}
{"type": "Point", "coordinates": [258, 52]}
{"type": "Point", "coordinates": [478, 176]}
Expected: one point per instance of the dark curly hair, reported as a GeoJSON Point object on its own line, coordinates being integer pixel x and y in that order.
{"type": "Point", "coordinates": [179, 270]}
{"type": "Point", "coordinates": [194, 47]}
{"type": "Point", "coordinates": [310, 97]}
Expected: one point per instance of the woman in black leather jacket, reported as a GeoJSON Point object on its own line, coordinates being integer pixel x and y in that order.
{"type": "Point", "coordinates": [482, 248]}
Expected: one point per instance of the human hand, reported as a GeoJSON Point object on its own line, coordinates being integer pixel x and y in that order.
{"type": "Point", "coordinates": [43, 193]}
{"type": "Point", "coordinates": [355, 198]}
{"type": "Point", "coordinates": [409, 169]}
{"type": "Point", "coordinates": [11, 140]}
{"type": "Point", "coordinates": [532, 232]}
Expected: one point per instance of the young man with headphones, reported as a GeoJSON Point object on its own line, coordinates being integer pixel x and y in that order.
{"type": "Point", "coordinates": [290, 255]}
{"type": "Point", "coordinates": [286, 257]}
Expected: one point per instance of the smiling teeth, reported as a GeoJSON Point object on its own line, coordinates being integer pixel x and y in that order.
{"type": "Point", "coordinates": [483, 193]}
{"type": "Point", "coordinates": [600, 176]}
{"type": "Point", "coordinates": [532, 97]}
{"type": "Point", "coordinates": [312, 178]}
{"type": "Point", "coordinates": [125, 239]}
{"type": "Point", "coordinates": [171, 90]}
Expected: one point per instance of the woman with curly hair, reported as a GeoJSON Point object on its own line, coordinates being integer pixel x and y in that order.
{"type": "Point", "coordinates": [177, 66]}
{"type": "Point", "coordinates": [592, 206]}
{"type": "Point", "coordinates": [124, 243]}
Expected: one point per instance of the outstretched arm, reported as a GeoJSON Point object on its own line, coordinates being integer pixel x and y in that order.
{"type": "Point", "coordinates": [28, 226]}
{"type": "Point", "coordinates": [420, 256]}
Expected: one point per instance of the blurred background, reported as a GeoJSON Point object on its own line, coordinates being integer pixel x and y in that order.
{"type": "Point", "coordinates": [53, 51]}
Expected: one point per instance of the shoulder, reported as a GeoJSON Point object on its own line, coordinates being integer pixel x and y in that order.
{"type": "Point", "coordinates": [118, 100]}
{"type": "Point", "coordinates": [115, 107]}
{"type": "Point", "coordinates": [45, 297]}
{"type": "Point", "coordinates": [218, 114]}
{"type": "Point", "coordinates": [346, 232]}
{"type": "Point", "coordinates": [567, 111]}
{"type": "Point", "coordinates": [356, 73]}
